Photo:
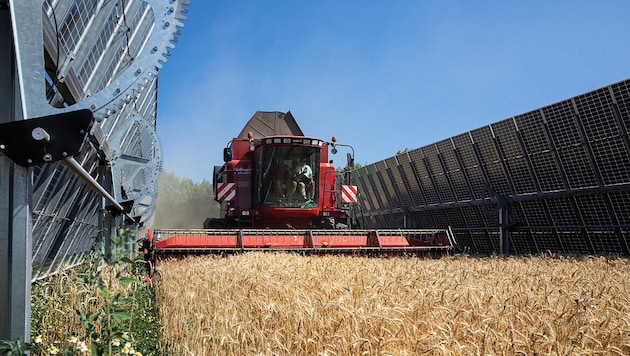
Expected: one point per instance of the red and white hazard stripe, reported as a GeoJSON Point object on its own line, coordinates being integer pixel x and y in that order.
{"type": "Point", "coordinates": [349, 193]}
{"type": "Point", "coordinates": [226, 191]}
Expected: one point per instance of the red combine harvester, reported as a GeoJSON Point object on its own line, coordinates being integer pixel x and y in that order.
{"type": "Point", "coordinates": [278, 190]}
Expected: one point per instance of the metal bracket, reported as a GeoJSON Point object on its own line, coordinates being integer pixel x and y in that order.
{"type": "Point", "coordinates": [502, 215]}
{"type": "Point", "coordinates": [115, 211]}
{"type": "Point", "coordinates": [503, 204]}
{"type": "Point", "coordinates": [45, 139]}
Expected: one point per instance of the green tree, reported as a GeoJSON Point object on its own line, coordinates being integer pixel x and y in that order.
{"type": "Point", "coordinates": [183, 203]}
{"type": "Point", "coordinates": [350, 168]}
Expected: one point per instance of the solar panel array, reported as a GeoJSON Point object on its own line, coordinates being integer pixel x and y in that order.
{"type": "Point", "coordinates": [95, 50]}
{"type": "Point", "coordinates": [560, 175]}
{"type": "Point", "coordinates": [68, 214]}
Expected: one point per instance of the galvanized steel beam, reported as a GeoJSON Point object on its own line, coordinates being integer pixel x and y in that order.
{"type": "Point", "coordinates": [15, 215]}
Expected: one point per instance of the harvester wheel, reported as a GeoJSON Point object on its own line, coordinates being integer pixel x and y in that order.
{"type": "Point", "coordinates": [325, 223]}
{"type": "Point", "coordinates": [211, 223]}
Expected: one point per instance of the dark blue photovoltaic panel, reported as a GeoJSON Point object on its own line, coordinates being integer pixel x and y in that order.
{"type": "Point", "coordinates": [561, 121]}
{"type": "Point", "coordinates": [507, 137]}
{"type": "Point", "coordinates": [417, 196]}
{"type": "Point", "coordinates": [387, 185]}
{"type": "Point", "coordinates": [521, 242]}
{"type": "Point", "coordinates": [563, 212]}
{"type": "Point", "coordinates": [463, 238]}
{"type": "Point", "coordinates": [621, 93]}
{"type": "Point", "coordinates": [398, 182]}
{"type": "Point", "coordinates": [422, 219]}
{"type": "Point", "coordinates": [473, 217]}
{"type": "Point", "coordinates": [561, 171]}
{"type": "Point", "coordinates": [519, 172]}
{"type": "Point", "coordinates": [440, 217]}
{"type": "Point", "coordinates": [593, 210]}
{"type": "Point", "coordinates": [455, 175]}
{"type": "Point", "coordinates": [545, 240]}
{"type": "Point", "coordinates": [575, 241]}
{"type": "Point", "coordinates": [484, 242]}
{"type": "Point", "coordinates": [472, 167]}
{"type": "Point", "coordinates": [612, 158]}
{"type": "Point", "coordinates": [579, 171]}
{"type": "Point", "coordinates": [534, 132]}
{"type": "Point", "coordinates": [620, 203]}
{"type": "Point", "coordinates": [596, 115]}
{"type": "Point", "coordinates": [391, 222]}
{"type": "Point", "coordinates": [540, 152]}
{"type": "Point", "coordinates": [491, 161]}
{"type": "Point", "coordinates": [377, 186]}
{"type": "Point", "coordinates": [516, 160]}
{"type": "Point", "coordinates": [604, 241]}
{"type": "Point", "coordinates": [366, 193]}
{"type": "Point", "coordinates": [424, 179]}
{"type": "Point", "coordinates": [548, 173]}
{"type": "Point", "coordinates": [454, 217]}
{"type": "Point", "coordinates": [535, 213]}
{"type": "Point", "coordinates": [437, 174]}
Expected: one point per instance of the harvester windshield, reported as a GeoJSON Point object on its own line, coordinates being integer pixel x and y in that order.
{"type": "Point", "coordinates": [289, 176]}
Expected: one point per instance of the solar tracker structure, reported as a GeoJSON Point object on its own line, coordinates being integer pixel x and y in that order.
{"type": "Point", "coordinates": [555, 179]}
{"type": "Point", "coordinates": [79, 153]}
{"type": "Point", "coordinates": [97, 60]}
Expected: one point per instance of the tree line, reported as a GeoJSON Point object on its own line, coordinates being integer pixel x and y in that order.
{"type": "Point", "coordinates": [182, 203]}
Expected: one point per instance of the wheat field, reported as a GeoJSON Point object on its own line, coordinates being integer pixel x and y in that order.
{"type": "Point", "coordinates": [288, 304]}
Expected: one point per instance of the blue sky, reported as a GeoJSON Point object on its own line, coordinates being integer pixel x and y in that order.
{"type": "Point", "coordinates": [380, 75]}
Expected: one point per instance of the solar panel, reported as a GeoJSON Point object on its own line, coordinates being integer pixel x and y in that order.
{"type": "Point", "coordinates": [562, 171]}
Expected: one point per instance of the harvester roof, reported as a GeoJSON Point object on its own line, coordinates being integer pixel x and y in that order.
{"type": "Point", "coordinates": [271, 123]}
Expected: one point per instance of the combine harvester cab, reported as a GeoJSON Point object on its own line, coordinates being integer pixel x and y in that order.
{"type": "Point", "coordinates": [278, 190]}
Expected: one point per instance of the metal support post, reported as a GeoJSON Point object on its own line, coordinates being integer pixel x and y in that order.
{"type": "Point", "coordinates": [15, 215]}
{"type": "Point", "coordinates": [107, 221]}
{"type": "Point", "coordinates": [504, 236]}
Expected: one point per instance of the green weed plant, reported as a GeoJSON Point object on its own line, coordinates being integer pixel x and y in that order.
{"type": "Point", "coordinates": [101, 308]}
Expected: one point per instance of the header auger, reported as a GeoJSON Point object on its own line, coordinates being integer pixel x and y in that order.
{"type": "Point", "coordinates": [278, 190]}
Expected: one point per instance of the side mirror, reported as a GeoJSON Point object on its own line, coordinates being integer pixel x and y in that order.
{"type": "Point", "coordinates": [350, 160]}
{"type": "Point", "coordinates": [227, 154]}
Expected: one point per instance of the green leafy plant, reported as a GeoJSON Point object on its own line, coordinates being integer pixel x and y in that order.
{"type": "Point", "coordinates": [99, 308]}
{"type": "Point", "coordinates": [108, 327]}
{"type": "Point", "coordinates": [12, 348]}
